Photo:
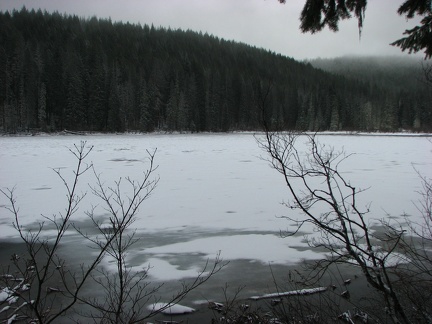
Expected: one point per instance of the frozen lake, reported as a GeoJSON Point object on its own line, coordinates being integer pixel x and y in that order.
{"type": "Point", "coordinates": [216, 193]}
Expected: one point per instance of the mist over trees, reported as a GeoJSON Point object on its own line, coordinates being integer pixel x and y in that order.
{"type": "Point", "coordinates": [404, 77]}
{"type": "Point", "coordinates": [65, 72]}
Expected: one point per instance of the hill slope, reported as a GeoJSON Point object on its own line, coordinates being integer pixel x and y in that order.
{"type": "Point", "coordinates": [395, 73]}
{"type": "Point", "coordinates": [60, 72]}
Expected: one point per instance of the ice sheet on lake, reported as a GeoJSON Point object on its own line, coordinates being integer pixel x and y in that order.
{"type": "Point", "coordinates": [208, 183]}
{"type": "Point", "coordinates": [266, 248]}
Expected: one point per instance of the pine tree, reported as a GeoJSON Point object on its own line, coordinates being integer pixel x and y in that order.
{"type": "Point", "coordinates": [389, 115]}
{"type": "Point", "coordinates": [172, 107]}
{"type": "Point", "coordinates": [145, 124]}
{"type": "Point", "coordinates": [42, 114]}
{"type": "Point", "coordinates": [334, 119]}
{"type": "Point", "coordinates": [183, 119]}
{"type": "Point", "coordinates": [114, 122]}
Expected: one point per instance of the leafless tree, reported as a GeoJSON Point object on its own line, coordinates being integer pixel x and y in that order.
{"type": "Point", "coordinates": [126, 291]}
{"type": "Point", "coordinates": [329, 203]}
{"type": "Point", "coordinates": [414, 278]}
{"type": "Point", "coordinates": [49, 287]}
{"type": "Point", "coordinates": [40, 266]}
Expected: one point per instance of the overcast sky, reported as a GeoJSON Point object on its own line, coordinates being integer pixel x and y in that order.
{"type": "Point", "coordinates": [261, 23]}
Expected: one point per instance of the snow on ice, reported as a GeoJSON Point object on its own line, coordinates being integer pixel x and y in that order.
{"type": "Point", "coordinates": [216, 192]}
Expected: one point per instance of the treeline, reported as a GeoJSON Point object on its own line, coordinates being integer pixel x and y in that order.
{"type": "Point", "coordinates": [397, 73]}
{"type": "Point", "coordinates": [65, 72]}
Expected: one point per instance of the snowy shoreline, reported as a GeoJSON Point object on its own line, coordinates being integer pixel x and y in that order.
{"type": "Point", "coordinates": [137, 133]}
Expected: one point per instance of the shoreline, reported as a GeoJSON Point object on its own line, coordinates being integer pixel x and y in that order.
{"type": "Point", "coordinates": [138, 133]}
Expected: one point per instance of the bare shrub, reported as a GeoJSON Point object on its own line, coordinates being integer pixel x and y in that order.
{"type": "Point", "coordinates": [394, 263]}
{"type": "Point", "coordinates": [46, 287]}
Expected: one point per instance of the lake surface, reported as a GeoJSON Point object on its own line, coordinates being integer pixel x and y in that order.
{"type": "Point", "coordinates": [216, 194]}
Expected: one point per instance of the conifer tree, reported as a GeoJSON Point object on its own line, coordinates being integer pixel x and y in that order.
{"type": "Point", "coordinates": [42, 114]}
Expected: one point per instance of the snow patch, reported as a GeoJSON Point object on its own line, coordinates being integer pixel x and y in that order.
{"type": "Point", "coordinates": [162, 270]}
{"type": "Point", "coordinates": [176, 309]}
{"type": "Point", "coordinates": [265, 248]}
{"type": "Point", "coordinates": [290, 293]}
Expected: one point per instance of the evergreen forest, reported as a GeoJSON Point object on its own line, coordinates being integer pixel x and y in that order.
{"type": "Point", "coordinates": [62, 72]}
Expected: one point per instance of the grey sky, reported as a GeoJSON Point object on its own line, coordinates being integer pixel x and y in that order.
{"type": "Point", "coordinates": [261, 23]}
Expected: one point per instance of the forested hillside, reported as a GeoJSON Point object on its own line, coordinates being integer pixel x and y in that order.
{"type": "Point", "coordinates": [65, 72]}
{"type": "Point", "coordinates": [396, 73]}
